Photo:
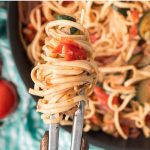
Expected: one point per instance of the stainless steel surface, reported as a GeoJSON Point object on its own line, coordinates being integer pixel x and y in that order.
{"type": "Point", "coordinates": [77, 127]}
{"type": "Point", "coordinates": [53, 136]}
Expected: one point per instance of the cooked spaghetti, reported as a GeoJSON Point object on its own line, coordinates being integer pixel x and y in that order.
{"type": "Point", "coordinates": [120, 36]}
{"type": "Point", "coordinates": [67, 76]}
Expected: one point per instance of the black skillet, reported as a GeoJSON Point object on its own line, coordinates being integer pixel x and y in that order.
{"type": "Point", "coordinates": [24, 66]}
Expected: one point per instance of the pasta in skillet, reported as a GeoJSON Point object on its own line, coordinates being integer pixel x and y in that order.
{"type": "Point", "coordinates": [120, 37]}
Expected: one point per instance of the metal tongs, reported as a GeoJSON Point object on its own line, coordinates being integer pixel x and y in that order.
{"type": "Point", "coordinates": [77, 124]}
{"type": "Point", "coordinates": [76, 131]}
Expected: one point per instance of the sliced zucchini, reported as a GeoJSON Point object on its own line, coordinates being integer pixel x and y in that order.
{"type": "Point", "coordinates": [122, 11]}
{"type": "Point", "coordinates": [135, 59]}
{"type": "Point", "coordinates": [143, 91]}
{"type": "Point", "coordinates": [144, 26]}
{"type": "Point", "coordinates": [66, 17]}
{"type": "Point", "coordinates": [135, 98]}
{"type": "Point", "coordinates": [73, 30]}
{"type": "Point", "coordinates": [100, 84]}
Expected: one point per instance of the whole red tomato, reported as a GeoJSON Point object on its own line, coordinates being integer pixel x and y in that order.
{"type": "Point", "coordinates": [8, 98]}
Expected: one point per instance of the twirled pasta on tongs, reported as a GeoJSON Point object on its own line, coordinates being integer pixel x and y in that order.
{"type": "Point", "coordinates": [67, 70]}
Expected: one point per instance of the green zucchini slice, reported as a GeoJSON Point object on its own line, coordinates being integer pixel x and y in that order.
{"type": "Point", "coordinates": [144, 26]}
{"type": "Point", "coordinates": [66, 17]}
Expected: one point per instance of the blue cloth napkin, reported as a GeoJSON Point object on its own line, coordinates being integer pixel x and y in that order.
{"type": "Point", "coordinates": [23, 129]}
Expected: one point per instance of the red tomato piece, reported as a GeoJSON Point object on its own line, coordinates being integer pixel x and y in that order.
{"type": "Point", "coordinates": [125, 129]}
{"type": "Point", "coordinates": [30, 26]}
{"type": "Point", "coordinates": [43, 20]}
{"type": "Point", "coordinates": [71, 50]}
{"type": "Point", "coordinates": [8, 98]}
{"type": "Point", "coordinates": [133, 31]}
{"type": "Point", "coordinates": [94, 38]}
{"type": "Point", "coordinates": [58, 49]}
{"type": "Point", "coordinates": [135, 16]}
{"type": "Point", "coordinates": [29, 37]}
{"type": "Point", "coordinates": [147, 120]}
{"type": "Point", "coordinates": [103, 97]}
{"type": "Point", "coordinates": [95, 120]}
